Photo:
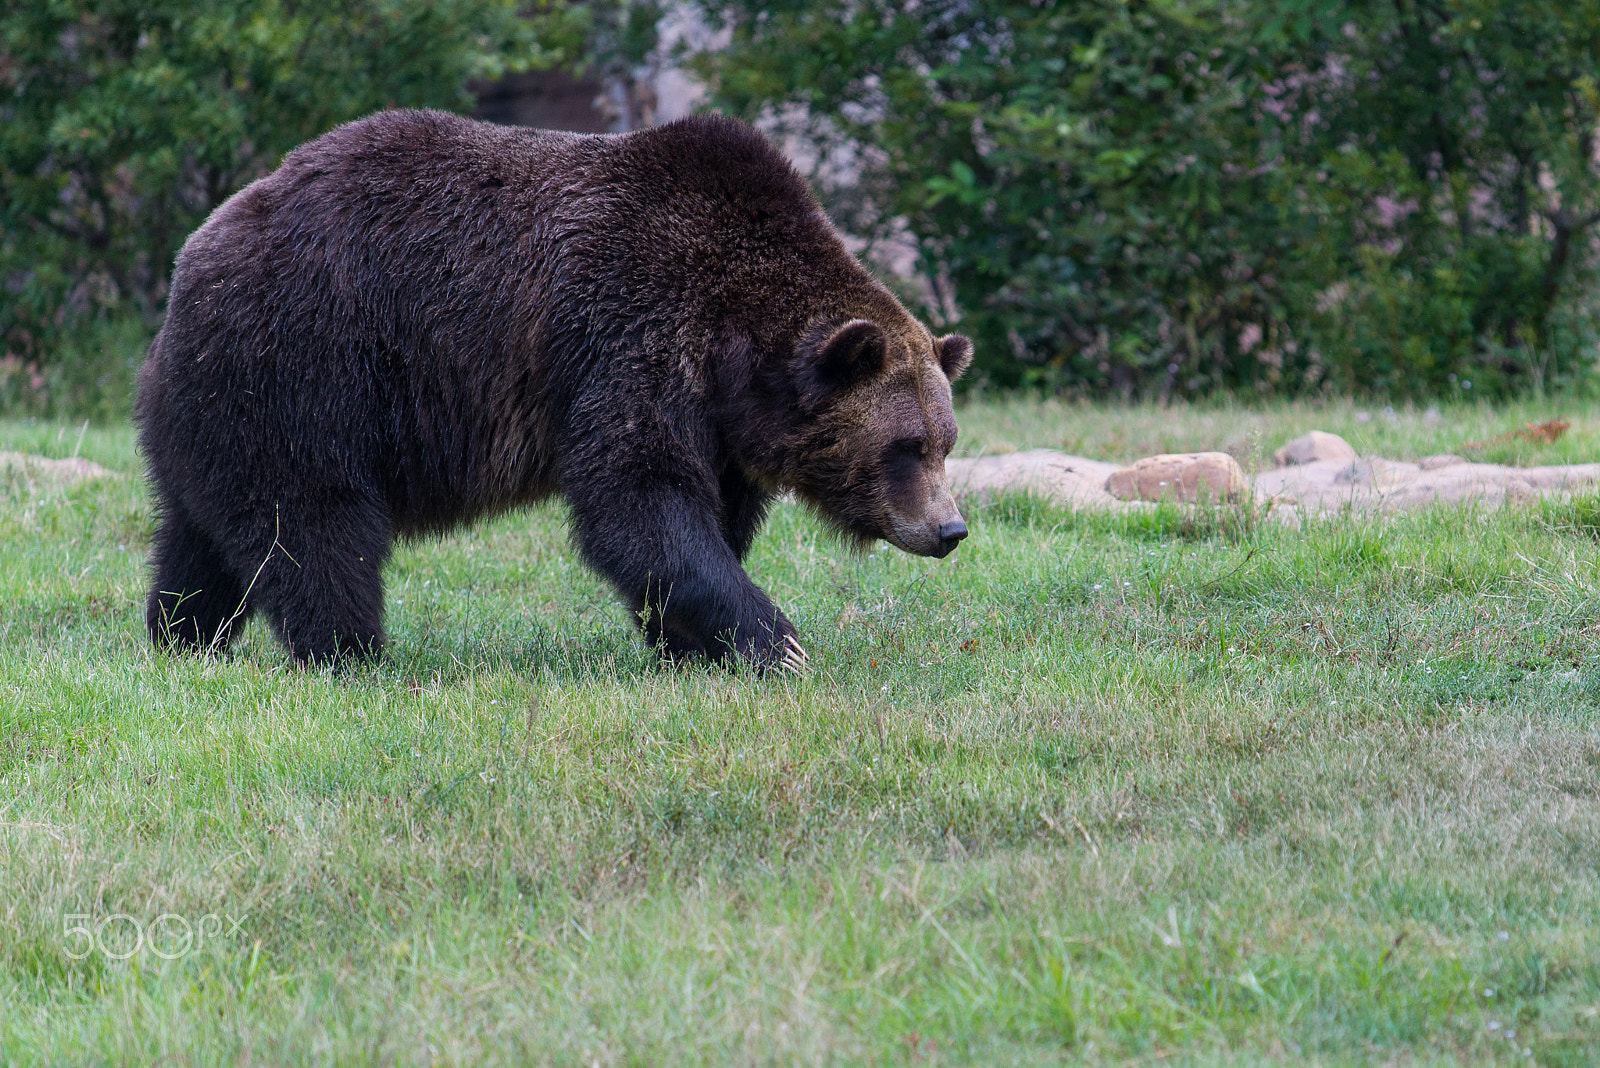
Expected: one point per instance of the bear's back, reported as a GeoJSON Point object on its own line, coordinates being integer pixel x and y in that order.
{"type": "Point", "coordinates": [417, 301]}
{"type": "Point", "coordinates": [416, 219]}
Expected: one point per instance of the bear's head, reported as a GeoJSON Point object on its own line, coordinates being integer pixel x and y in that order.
{"type": "Point", "coordinates": [877, 425]}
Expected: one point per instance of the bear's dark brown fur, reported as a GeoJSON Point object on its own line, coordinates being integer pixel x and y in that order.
{"type": "Point", "coordinates": [419, 319]}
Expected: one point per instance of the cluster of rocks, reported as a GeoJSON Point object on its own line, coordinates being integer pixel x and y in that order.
{"type": "Point", "coordinates": [1314, 474]}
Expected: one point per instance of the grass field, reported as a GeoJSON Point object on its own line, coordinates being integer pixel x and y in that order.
{"type": "Point", "coordinates": [1169, 788]}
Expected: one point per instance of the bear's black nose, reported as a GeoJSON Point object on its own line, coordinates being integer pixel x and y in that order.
{"type": "Point", "coordinates": [953, 532]}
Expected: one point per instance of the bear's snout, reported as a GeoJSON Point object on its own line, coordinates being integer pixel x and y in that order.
{"type": "Point", "coordinates": [935, 535]}
{"type": "Point", "coordinates": [949, 535]}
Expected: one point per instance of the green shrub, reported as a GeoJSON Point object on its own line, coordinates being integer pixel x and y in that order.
{"type": "Point", "coordinates": [123, 124]}
{"type": "Point", "coordinates": [90, 374]}
{"type": "Point", "coordinates": [1180, 196]}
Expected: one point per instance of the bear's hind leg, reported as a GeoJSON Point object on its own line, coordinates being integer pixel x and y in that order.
{"type": "Point", "coordinates": [196, 603]}
{"type": "Point", "coordinates": [321, 586]}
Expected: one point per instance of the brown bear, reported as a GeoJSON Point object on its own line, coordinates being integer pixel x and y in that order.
{"type": "Point", "coordinates": [419, 319]}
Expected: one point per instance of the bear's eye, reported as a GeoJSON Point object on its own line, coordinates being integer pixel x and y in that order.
{"type": "Point", "coordinates": [909, 447]}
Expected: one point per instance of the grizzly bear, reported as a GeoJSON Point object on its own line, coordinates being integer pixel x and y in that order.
{"type": "Point", "coordinates": [419, 319]}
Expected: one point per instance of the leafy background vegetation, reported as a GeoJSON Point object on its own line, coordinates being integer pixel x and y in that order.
{"type": "Point", "coordinates": [1185, 195]}
{"type": "Point", "coordinates": [1150, 197]}
{"type": "Point", "coordinates": [123, 124]}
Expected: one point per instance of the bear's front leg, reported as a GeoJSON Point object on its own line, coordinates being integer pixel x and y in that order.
{"type": "Point", "coordinates": [666, 551]}
{"type": "Point", "coordinates": [674, 645]}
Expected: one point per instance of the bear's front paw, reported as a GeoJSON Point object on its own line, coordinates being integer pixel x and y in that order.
{"type": "Point", "coordinates": [795, 660]}
{"type": "Point", "coordinates": [671, 646]}
{"type": "Point", "coordinates": [781, 652]}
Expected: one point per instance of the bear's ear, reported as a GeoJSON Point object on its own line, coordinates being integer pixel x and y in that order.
{"type": "Point", "coordinates": [955, 355]}
{"type": "Point", "coordinates": [853, 352]}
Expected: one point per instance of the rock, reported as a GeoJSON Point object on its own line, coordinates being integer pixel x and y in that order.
{"type": "Point", "coordinates": [58, 472]}
{"type": "Point", "coordinates": [1313, 447]}
{"type": "Point", "coordinates": [1520, 491]}
{"type": "Point", "coordinates": [1068, 479]}
{"type": "Point", "coordinates": [1433, 463]}
{"type": "Point", "coordinates": [1187, 476]}
{"type": "Point", "coordinates": [1374, 473]}
{"type": "Point", "coordinates": [1354, 473]}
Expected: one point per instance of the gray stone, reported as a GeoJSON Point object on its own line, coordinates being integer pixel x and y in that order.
{"type": "Point", "coordinates": [1520, 491]}
{"type": "Point", "coordinates": [1186, 476]}
{"type": "Point", "coordinates": [1067, 479]}
{"type": "Point", "coordinates": [55, 472]}
{"type": "Point", "coordinates": [1312, 448]}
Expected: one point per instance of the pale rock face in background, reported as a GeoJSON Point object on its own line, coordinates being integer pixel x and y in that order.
{"type": "Point", "coordinates": [609, 100]}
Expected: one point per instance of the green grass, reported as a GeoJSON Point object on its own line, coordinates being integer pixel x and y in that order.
{"type": "Point", "coordinates": [1155, 788]}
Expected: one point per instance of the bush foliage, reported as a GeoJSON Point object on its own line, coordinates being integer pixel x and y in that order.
{"type": "Point", "coordinates": [1155, 197]}
{"type": "Point", "coordinates": [122, 124]}
{"type": "Point", "coordinates": [1181, 195]}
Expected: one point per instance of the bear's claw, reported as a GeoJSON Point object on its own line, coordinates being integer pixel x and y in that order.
{"type": "Point", "coordinates": [795, 660]}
